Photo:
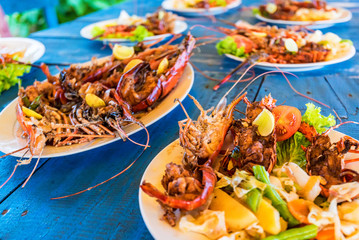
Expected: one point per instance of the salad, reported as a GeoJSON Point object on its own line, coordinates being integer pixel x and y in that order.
{"type": "Point", "coordinates": [278, 176]}
{"type": "Point", "coordinates": [283, 45]}
{"type": "Point", "coordinates": [201, 3]}
{"type": "Point", "coordinates": [135, 28]}
{"type": "Point", "coordinates": [316, 10]}
{"type": "Point", "coordinates": [10, 69]}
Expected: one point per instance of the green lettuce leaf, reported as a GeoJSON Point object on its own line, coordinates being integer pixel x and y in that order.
{"type": "Point", "coordinates": [219, 3]}
{"type": "Point", "coordinates": [9, 75]}
{"type": "Point", "coordinates": [97, 31]}
{"type": "Point", "coordinates": [290, 150]}
{"type": "Point", "coordinates": [140, 33]}
{"type": "Point", "coordinates": [313, 117]}
{"type": "Point", "coordinates": [228, 45]}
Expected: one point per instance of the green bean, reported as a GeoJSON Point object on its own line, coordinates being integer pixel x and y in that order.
{"type": "Point", "coordinates": [301, 233]}
{"type": "Point", "coordinates": [261, 174]}
{"type": "Point", "coordinates": [254, 197]}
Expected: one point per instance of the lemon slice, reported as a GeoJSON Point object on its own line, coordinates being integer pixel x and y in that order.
{"type": "Point", "coordinates": [162, 66]}
{"type": "Point", "coordinates": [265, 122]}
{"type": "Point", "coordinates": [94, 101]}
{"type": "Point", "coordinates": [290, 45]}
{"type": "Point", "coordinates": [122, 52]}
{"type": "Point", "coordinates": [132, 64]}
{"type": "Point", "coordinates": [31, 113]}
{"type": "Point", "coordinates": [271, 8]}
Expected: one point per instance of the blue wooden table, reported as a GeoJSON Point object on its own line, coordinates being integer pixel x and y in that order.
{"type": "Point", "coordinates": [111, 211]}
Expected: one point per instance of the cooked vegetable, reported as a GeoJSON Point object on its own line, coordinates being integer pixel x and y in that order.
{"type": "Point", "coordinates": [237, 216]}
{"type": "Point", "coordinates": [268, 217]}
{"type": "Point", "coordinates": [254, 198]}
{"type": "Point", "coordinates": [287, 121]}
{"type": "Point", "coordinates": [261, 174]}
{"type": "Point", "coordinates": [10, 73]}
{"type": "Point", "coordinates": [306, 232]}
{"type": "Point", "coordinates": [349, 211]}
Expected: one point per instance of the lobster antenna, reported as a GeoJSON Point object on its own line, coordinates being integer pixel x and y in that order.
{"type": "Point", "coordinates": [33, 170]}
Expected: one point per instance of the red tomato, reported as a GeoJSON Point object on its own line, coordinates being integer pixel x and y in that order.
{"type": "Point", "coordinates": [287, 121]}
{"type": "Point", "coordinates": [244, 42]}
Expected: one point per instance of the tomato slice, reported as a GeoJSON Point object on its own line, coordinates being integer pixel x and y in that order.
{"type": "Point", "coordinates": [245, 42]}
{"type": "Point", "coordinates": [287, 121]}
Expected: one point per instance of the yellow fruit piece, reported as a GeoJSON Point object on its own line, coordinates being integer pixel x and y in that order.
{"type": "Point", "coordinates": [265, 122]}
{"type": "Point", "coordinates": [237, 215]}
{"type": "Point", "coordinates": [268, 217]}
{"type": "Point", "coordinates": [132, 64]}
{"type": "Point", "coordinates": [259, 34]}
{"type": "Point", "coordinates": [31, 113]}
{"type": "Point", "coordinates": [349, 211]}
{"type": "Point", "coordinates": [94, 101]}
{"type": "Point", "coordinates": [283, 225]}
{"type": "Point", "coordinates": [122, 52]}
{"type": "Point", "coordinates": [163, 66]}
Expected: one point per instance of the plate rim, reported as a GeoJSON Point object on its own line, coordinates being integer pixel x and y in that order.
{"type": "Point", "coordinates": [39, 53]}
{"type": "Point", "coordinates": [142, 195]}
{"type": "Point", "coordinates": [85, 29]}
{"type": "Point", "coordinates": [137, 129]}
{"type": "Point", "coordinates": [313, 23]}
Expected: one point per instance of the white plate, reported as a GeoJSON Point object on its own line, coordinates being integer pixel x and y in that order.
{"type": "Point", "coordinates": [297, 67]}
{"type": "Point", "coordinates": [150, 209]}
{"type": "Point", "coordinates": [198, 12]}
{"type": "Point", "coordinates": [345, 17]}
{"type": "Point", "coordinates": [33, 49]}
{"type": "Point", "coordinates": [10, 139]}
{"type": "Point", "coordinates": [180, 26]}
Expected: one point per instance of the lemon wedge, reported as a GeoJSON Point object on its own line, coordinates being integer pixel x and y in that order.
{"type": "Point", "coordinates": [132, 64]}
{"type": "Point", "coordinates": [271, 8]}
{"type": "Point", "coordinates": [31, 113]}
{"type": "Point", "coordinates": [94, 101]}
{"type": "Point", "coordinates": [162, 66]}
{"type": "Point", "coordinates": [290, 45]}
{"type": "Point", "coordinates": [122, 52]}
{"type": "Point", "coordinates": [265, 122]}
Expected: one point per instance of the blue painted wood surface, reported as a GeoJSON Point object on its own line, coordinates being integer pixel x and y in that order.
{"type": "Point", "coordinates": [111, 211]}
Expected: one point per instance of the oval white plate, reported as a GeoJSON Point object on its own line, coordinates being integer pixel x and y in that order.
{"type": "Point", "coordinates": [34, 50]}
{"type": "Point", "coordinates": [150, 209]}
{"type": "Point", "coordinates": [180, 26]}
{"type": "Point", "coordinates": [10, 139]}
{"type": "Point", "coordinates": [297, 67]}
{"type": "Point", "coordinates": [198, 12]}
{"type": "Point", "coordinates": [345, 17]}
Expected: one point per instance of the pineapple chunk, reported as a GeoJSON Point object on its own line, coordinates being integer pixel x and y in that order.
{"type": "Point", "coordinates": [237, 215]}
{"type": "Point", "coordinates": [268, 217]}
{"type": "Point", "coordinates": [349, 211]}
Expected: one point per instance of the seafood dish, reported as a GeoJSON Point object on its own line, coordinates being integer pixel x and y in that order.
{"type": "Point", "coordinates": [206, 4]}
{"type": "Point", "coordinates": [271, 174]}
{"type": "Point", "coordinates": [295, 45]}
{"type": "Point", "coordinates": [96, 100]}
{"type": "Point", "coordinates": [134, 28]}
{"type": "Point", "coordinates": [316, 10]}
{"type": "Point", "coordinates": [194, 8]}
